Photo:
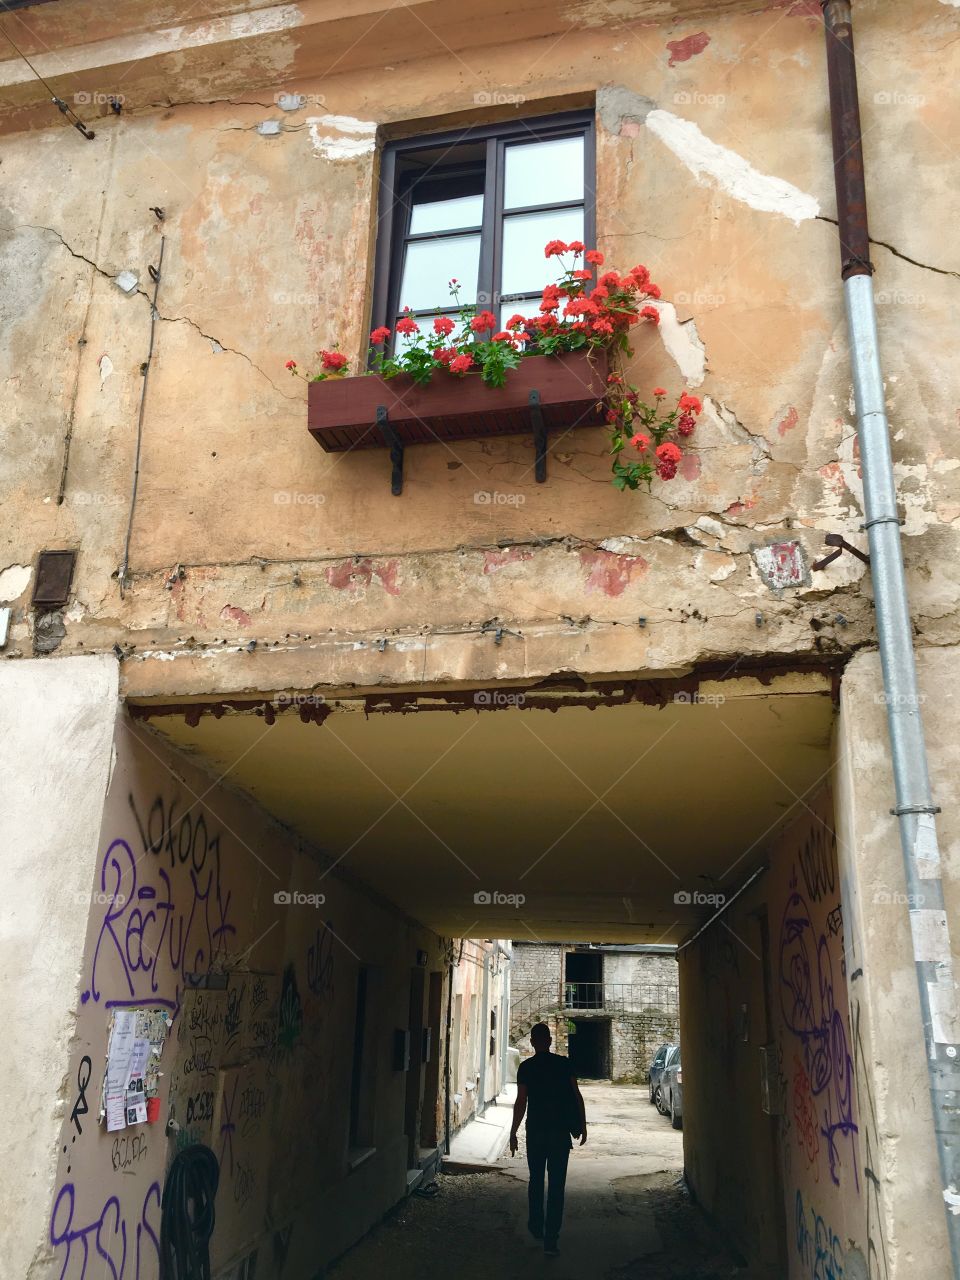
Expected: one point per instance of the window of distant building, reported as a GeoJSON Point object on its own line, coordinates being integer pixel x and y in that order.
{"type": "Point", "coordinates": [478, 205]}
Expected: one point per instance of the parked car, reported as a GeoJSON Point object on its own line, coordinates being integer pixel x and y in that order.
{"type": "Point", "coordinates": [656, 1072]}
{"type": "Point", "coordinates": [671, 1090]}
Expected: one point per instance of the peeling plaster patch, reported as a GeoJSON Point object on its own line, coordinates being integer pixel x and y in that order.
{"type": "Point", "coordinates": [215, 346]}
{"type": "Point", "coordinates": [788, 421]}
{"type": "Point", "coordinates": [105, 365]}
{"type": "Point", "coordinates": [708, 525]}
{"type": "Point", "coordinates": [687, 48]}
{"type": "Point", "coordinates": [14, 581]}
{"type": "Point", "coordinates": [494, 561]}
{"type": "Point", "coordinates": [611, 573]}
{"type": "Point", "coordinates": [354, 575]}
{"type": "Point", "coordinates": [955, 3]}
{"type": "Point", "coordinates": [729, 171]}
{"type": "Point", "coordinates": [76, 612]}
{"type": "Point", "coordinates": [781, 565]}
{"type": "Point", "coordinates": [233, 613]}
{"type": "Point", "coordinates": [619, 108]}
{"type": "Point", "coordinates": [269, 128]}
{"type": "Point", "coordinates": [682, 343]}
{"type": "Point", "coordinates": [351, 138]}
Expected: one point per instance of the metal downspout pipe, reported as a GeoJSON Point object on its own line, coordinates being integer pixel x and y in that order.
{"type": "Point", "coordinates": [915, 808]}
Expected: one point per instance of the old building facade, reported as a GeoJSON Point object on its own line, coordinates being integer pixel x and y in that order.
{"type": "Point", "coordinates": [609, 1008]}
{"type": "Point", "coordinates": [282, 726]}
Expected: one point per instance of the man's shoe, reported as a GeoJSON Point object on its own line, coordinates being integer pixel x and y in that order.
{"type": "Point", "coordinates": [536, 1232]}
{"type": "Point", "coordinates": [551, 1248]}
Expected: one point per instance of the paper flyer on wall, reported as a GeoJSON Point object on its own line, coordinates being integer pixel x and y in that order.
{"type": "Point", "coordinates": [133, 1055]}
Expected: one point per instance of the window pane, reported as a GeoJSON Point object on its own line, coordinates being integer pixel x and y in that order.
{"type": "Point", "coordinates": [431, 264]}
{"type": "Point", "coordinates": [524, 237]}
{"type": "Point", "coordinates": [446, 215]}
{"type": "Point", "coordinates": [426, 326]}
{"type": "Point", "coordinates": [544, 172]}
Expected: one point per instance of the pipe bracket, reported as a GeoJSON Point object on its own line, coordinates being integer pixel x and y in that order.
{"type": "Point", "coordinates": [915, 808]}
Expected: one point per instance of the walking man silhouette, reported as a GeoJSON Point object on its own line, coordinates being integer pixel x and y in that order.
{"type": "Point", "coordinates": [548, 1092]}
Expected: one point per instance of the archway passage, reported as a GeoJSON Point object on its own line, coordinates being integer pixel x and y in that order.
{"type": "Point", "coordinates": [434, 839]}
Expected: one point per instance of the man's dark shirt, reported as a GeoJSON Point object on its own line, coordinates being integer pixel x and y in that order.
{"type": "Point", "coordinates": [551, 1101]}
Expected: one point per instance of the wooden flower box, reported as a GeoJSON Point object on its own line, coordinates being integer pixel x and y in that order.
{"type": "Point", "coordinates": [544, 394]}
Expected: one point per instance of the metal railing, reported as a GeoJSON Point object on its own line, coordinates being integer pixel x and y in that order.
{"type": "Point", "coordinates": [618, 997]}
{"type": "Point", "coordinates": [589, 997]}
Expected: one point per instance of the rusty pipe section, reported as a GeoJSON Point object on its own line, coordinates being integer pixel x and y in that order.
{"type": "Point", "coordinates": [847, 140]}
{"type": "Point", "coordinates": [915, 807]}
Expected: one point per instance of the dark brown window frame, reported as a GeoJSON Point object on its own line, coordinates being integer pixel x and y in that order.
{"type": "Point", "coordinates": [394, 207]}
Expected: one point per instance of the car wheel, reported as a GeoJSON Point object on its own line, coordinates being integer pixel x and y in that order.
{"type": "Point", "coordinates": [675, 1120]}
{"type": "Point", "coordinates": [658, 1100]}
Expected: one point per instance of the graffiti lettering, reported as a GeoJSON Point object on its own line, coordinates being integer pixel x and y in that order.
{"type": "Point", "coordinates": [804, 1116]}
{"type": "Point", "coordinates": [878, 1266]}
{"type": "Point", "coordinates": [818, 861]}
{"type": "Point", "coordinates": [200, 1107]}
{"type": "Point", "coordinates": [106, 1237]}
{"type": "Point", "coordinates": [820, 1250]}
{"type": "Point", "coordinates": [81, 1106]}
{"type": "Point", "coordinates": [157, 936]}
{"type": "Point", "coordinates": [252, 1104]}
{"type": "Point", "coordinates": [128, 1148]}
{"type": "Point", "coordinates": [244, 1184]}
{"type": "Point", "coordinates": [810, 1013]}
{"type": "Point", "coordinates": [291, 1012]}
{"type": "Point", "coordinates": [233, 1021]}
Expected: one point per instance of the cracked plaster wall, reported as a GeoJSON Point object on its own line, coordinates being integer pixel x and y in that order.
{"type": "Point", "coordinates": [269, 255]}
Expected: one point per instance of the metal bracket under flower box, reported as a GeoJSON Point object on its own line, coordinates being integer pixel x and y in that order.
{"type": "Point", "coordinates": [544, 393]}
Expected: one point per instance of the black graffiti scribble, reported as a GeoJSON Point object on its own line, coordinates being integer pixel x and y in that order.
{"type": "Point", "coordinates": [291, 1011]}
{"type": "Point", "coordinates": [818, 861]}
{"type": "Point", "coordinates": [81, 1106]}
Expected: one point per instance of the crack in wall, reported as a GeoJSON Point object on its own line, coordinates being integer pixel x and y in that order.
{"type": "Point", "coordinates": [897, 253]}
{"type": "Point", "coordinates": [111, 276]}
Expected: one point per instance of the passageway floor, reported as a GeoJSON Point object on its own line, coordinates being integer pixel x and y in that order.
{"type": "Point", "coordinates": [628, 1215]}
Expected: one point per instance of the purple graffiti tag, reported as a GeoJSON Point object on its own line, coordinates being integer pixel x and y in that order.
{"type": "Point", "coordinates": [161, 932]}
{"type": "Point", "coordinates": [810, 1013]}
{"type": "Point", "coordinates": [107, 1234]}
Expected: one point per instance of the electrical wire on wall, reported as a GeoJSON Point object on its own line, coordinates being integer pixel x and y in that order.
{"type": "Point", "coordinates": [57, 101]}
{"type": "Point", "coordinates": [145, 372]}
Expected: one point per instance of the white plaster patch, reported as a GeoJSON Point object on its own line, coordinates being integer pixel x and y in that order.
{"type": "Point", "coordinates": [952, 1195]}
{"type": "Point", "coordinates": [729, 171]}
{"type": "Point", "coordinates": [350, 137]}
{"type": "Point", "coordinates": [14, 581]}
{"type": "Point", "coordinates": [105, 365]}
{"type": "Point", "coordinates": [942, 996]}
{"type": "Point", "coordinates": [682, 343]}
{"type": "Point", "coordinates": [956, 5]}
{"type": "Point", "coordinates": [781, 565]}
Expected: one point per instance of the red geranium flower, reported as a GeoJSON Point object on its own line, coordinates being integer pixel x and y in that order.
{"type": "Point", "coordinates": [407, 325]}
{"type": "Point", "coordinates": [669, 452]}
{"type": "Point", "coordinates": [610, 280]}
{"type": "Point", "coordinates": [640, 442]}
{"type": "Point", "coordinates": [594, 256]}
{"type": "Point", "coordinates": [575, 246]}
{"type": "Point", "coordinates": [650, 313]}
{"type": "Point", "coordinates": [334, 360]}
{"type": "Point", "coordinates": [554, 248]}
{"type": "Point", "coordinates": [659, 392]}
{"type": "Point", "coordinates": [445, 354]}
{"type": "Point", "coordinates": [484, 320]}
{"type": "Point", "coordinates": [686, 424]}
{"type": "Point", "coordinates": [653, 290]}
{"type": "Point", "coordinates": [460, 364]}
{"type": "Point", "coordinates": [582, 275]}
{"type": "Point", "coordinates": [291, 364]}
{"type": "Point", "coordinates": [693, 403]}
{"type": "Point", "coordinates": [379, 335]}
{"type": "Point", "coordinates": [443, 326]}
{"type": "Point", "coordinates": [516, 321]}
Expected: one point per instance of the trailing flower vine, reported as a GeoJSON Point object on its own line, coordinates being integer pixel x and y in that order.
{"type": "Point", "coordinates": [584, 310]}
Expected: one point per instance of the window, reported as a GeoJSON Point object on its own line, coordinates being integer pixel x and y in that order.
{"type": "Point", "coordinates": [479, 205]}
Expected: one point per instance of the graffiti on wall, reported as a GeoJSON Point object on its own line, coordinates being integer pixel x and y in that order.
{"type": "Point", "coordinates": [155, 935]}
{"type": "Point", "coordinates": [812, 1016]}
{"type": "Point", "coordinates": [115, 1244]}
{"type": "Point", "coordinates": [821, 1254]}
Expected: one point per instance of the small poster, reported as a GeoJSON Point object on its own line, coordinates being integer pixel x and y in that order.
{"type": "Point", "coordinates": [133, 1057]}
